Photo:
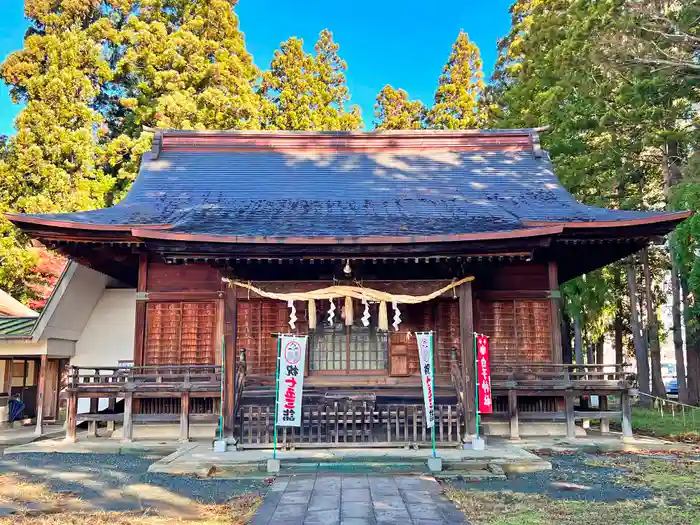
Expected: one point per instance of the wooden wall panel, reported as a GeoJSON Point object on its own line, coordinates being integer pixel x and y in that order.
{"type": "Point", "coordinates": [447, 335]}
{"type": "Point", "coordinates": [197, 335]}
{"type": "Point", "coordinates": [512, 277]}
{"type": "Point", "coordinates": [519, 330]}
{"type": "Point", "coordinates": [182, 277]}
{"type": "Point", "coordinates": [403, 350]}
{"type": "Point", "coordinates": [257, 320]}
{"type": "Point", "coordinates": [180, 333]}
{"type": "Point", "coordinates": [163, 323]}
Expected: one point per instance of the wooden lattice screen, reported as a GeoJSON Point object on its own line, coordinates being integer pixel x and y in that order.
{"type": "Point", "coordinates": [257, 320]}
{"type": "Point", "coordinates": [180, 333]}
{"type": "Point", "coordinates": [520, 330]}
{"type": "Point", "coordinates": [447, 335]}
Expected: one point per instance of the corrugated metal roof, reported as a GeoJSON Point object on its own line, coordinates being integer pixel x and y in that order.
{"type": "Point", "coordinates": [324, 193]}
{"type": "Point", "coordinates": [16, 326]}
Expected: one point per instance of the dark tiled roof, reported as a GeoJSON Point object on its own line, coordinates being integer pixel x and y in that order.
{"type": "Point", "coordinates": [16, 326]}
{"type": "Point", "coordinates": [306, 192]}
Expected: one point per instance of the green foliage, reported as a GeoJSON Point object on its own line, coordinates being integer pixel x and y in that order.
{"type": "Point", "coordinates": [393, 110]}
{"type": "Point", "coordinates": [459, 96]}
{"type": "Point", "coordinates": [610, 121]}
{"type": "Point", "coordinates": [686, 238]}
{"type": "Point", "coordinates": [307, 92]}
{"type": "Point", "coordinates": [52, 163]}
{"type": "Point", "coordinates": [96, 75]}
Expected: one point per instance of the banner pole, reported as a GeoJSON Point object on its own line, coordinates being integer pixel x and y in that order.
{"type": "Point", "coordinates": [277, 390]}
{"type": "Point", "coordinates": [476, 384]}
{"type": "Point", "coordinates": [432, 381]}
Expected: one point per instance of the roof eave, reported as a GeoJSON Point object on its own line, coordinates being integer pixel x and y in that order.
{"type": "Point", "coordinates": [328, 240]}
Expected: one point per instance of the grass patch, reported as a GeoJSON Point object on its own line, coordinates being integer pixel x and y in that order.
{"type": "Point", "coordinates": [675, 427]}
{"type": "Point", "coordinates": [38, 505]}
{"type": "Point", "coordinates": [675, 500]}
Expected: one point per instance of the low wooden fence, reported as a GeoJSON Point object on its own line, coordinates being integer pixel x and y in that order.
{"type": "Point", "coordinates": [351, 424]}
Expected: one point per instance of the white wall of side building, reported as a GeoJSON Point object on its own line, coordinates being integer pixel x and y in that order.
{"type": "Point", "coordinates": [108, 336]}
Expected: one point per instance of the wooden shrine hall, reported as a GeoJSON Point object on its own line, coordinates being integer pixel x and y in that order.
{"type": "Point", "coordinates": [218, 222]}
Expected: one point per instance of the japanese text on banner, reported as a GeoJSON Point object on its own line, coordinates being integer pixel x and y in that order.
{"type": "Point", "coordinates": [484, 374]}
{"type": "Point", "coordinates": [291, 380]}
{"type": "Point", "coordinates": [425, 351]}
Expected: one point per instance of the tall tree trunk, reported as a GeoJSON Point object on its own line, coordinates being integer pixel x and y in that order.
{"type": "Point", "coordinates": [692, 347]}
{"type": "Point", "coordinates": [677, 329]}
{"type": "Point", "coordinates": [578, 343]}
{"type": "Point", "coordinates": [600, 351]}
{"type": "Point", "coordinates": [566, 353]}
{"type": "Point", "coordinates": [673, 175]}
{"type": "Point", "coordinates": [657, 381]}
{"type": "Point", "coordinates": [618, 324]}
{"type": "Point", "coordinates": [590, 353]}
{"type": "Point", "coordinates": [640, 348]}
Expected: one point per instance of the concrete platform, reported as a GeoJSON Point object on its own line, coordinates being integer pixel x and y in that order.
{"type": "Point", "coordinates": [23, 434]}
{"type": "Point", "coordinates": [494, 462]}
{"type": "Point", "coordinates": [595, 442]}
{"type": "Point", "coordinates": [88, 445]}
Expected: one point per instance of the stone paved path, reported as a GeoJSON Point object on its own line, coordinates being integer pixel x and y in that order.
{"type": "Point", "coordinates": [357, 500]}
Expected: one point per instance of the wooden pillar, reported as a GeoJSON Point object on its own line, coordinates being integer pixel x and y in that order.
{"type": "Point", "coordinates": [111, 408]}
{"type": "Point", "coordinates": [72, 418]}
{"type": "Point", "coordinates": [231, 341]}
{"type": "Point", "coordinates": [555, 297]}
{"type": "Point", "coordinates": [570, 421]}
{"type": "Point", "coordinates": [513, 413]}
{"type": "Point", "coordinates": [140, 331]}
{"type": "Point", "coordinates": [466, 337]}
{"type": "Point", "coordinates": [128, 417]}
{"type": "Point", "coordinates": [185, 417]}
{"type": "Point", "coordinates": [94, 409]}
{"type": "Point", "coordinates": [604, 421]}
{"type": "Point", "coordinates": [626, 415]}
{"type": "Point", "coordinates": [40, 394]}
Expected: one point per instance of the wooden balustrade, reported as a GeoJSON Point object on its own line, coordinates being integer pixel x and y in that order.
{"type": "Point", "coordinates": [149, 379]}
{"type": "Point", "coordinates": [514, 385]}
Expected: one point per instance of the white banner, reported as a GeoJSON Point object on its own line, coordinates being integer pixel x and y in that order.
{"type": "Point", "coordinates": [425, 351]}
{"type": "Point", "coordinates": [291, 380]}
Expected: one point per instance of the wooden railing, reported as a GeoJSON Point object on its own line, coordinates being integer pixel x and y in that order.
{"type": "Point", "coordinates": [548, 376]}
{"type": "Point", "coordinates": [555, 387]}
{"type": "Point", "coordinates": [147, 379]}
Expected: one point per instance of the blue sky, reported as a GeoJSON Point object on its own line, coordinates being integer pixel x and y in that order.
{"type": "Point", "coordinates": [404, 44]}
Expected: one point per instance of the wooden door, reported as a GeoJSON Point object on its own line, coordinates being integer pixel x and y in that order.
{"type": "Point", "coordinates": [51, 389]}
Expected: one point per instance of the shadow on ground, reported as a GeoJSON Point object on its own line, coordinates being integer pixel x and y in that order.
{"type": "Point", "coordinates": [111, 482]}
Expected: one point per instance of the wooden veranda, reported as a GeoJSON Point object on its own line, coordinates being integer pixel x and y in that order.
{"type": "Point", "coordinates": [361, 417]}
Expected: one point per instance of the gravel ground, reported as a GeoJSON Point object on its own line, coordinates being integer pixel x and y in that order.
{"type": "Point", "coordinates": [120, 482]}
{"type": "Point", "coordinates": [569, 479]}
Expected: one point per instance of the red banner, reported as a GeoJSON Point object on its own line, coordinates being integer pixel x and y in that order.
{"type": "Point", "coordinates": [483, 374]}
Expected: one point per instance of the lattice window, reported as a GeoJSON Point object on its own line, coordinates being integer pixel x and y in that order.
{"type": "Point", "coordinates": [180, 333]}
{"type": "Point", "coordinates": [342, 348]}
{"type": "Point", "coordinates": [519, 331]}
